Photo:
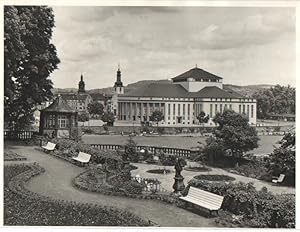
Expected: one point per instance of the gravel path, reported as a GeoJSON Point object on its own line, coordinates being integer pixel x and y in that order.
{"type": "Point", "coordinates": [56, 182]}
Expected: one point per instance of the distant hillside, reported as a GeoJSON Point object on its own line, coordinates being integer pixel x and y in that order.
{"type": "Point", "coordinates": [243, 90]}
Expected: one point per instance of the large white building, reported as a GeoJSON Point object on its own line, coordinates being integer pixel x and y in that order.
{"type": "Point", "coordinates": [182, 100]}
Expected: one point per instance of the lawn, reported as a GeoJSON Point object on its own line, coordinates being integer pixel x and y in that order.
{"type": "Point", "coordinates": [265, 144]}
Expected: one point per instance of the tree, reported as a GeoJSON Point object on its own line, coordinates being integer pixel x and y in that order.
{"type": "Point", "coordinates": [29, 59]}
{"type": "Point", "coordinates": [282, 160]}
{"type": "Point", "coordinates": [109, 118]}
{"type": "Point", "coordinates": [203, 118]}
{"type": "Point", "coordinates": [130, 151]}
{"type": "Point", "coordinates": [83, 117]}
{"type": "Point", "coordinates": [95, 108]}
{"type": "Point", "coordinates": [234, 133]}
{"type": "Point", "coordinates": [156, 116]}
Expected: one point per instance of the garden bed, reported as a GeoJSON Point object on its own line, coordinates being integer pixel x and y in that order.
{"type": "Point", "coordinates": [214, 177]}
{"type": "Point", "coordinates": [23, 207]}
{"type": "Point", "coordinates": [12, 156]}
{"type": "Point", "coordinates": [198, 169]}
{"type": "Point", "coordinates": [159, 171]}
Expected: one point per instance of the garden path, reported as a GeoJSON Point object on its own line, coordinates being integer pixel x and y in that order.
{"type": "Point", "coordinates": [56, 182]}
{"type": "Point", "coordinates": [167, 180]}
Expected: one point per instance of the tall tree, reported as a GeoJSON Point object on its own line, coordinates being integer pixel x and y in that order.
{"type": "Point", "coordinates": [156, 116]}
{"type": "Point", "coordinates": [203, 118]}
{"type": "Point", "coordinates": [95, 108]}
{"type": "Point", "coordinates": [234, 133]}
{"type": "Point", "coordinates": [29, 59]}
{"type": "Point", "coordinates": [109, 118]}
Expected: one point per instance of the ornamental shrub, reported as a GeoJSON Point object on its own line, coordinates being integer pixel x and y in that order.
{"type": "Point", "coordinates": [259, 208]}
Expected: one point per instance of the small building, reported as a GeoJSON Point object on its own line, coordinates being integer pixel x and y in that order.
{"type": "Point", "coordinates": [59, 120]}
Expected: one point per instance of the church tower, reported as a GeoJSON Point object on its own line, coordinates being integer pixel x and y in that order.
{"type": "Point", "coordinates": [119, 88]}
{"type": "Point", "coordinates": [81, 85]}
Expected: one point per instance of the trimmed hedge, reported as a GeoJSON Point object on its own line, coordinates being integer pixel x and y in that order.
{"type": "Point", "coordinates": [12, 156]}
{"type": "Point", "coordinates": [259, 208]}
{"type": "Point", "coordinates": [214, 177]}
{"type": "Point", "coordinates": [23, 207]}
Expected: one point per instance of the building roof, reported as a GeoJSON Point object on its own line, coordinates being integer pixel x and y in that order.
{"type": "Point", "coordinates": [59, 105]}
{"type": "Point", "coordinates": [74, 96]}
{"type": "Point", "coordinates": [99, 97]}
{"type": "Point", "coordinates": [177, 91]}
{"type": "Point", "coordinates": [158, 90]}
{"type": "Point", "coordinates": [197, 74]}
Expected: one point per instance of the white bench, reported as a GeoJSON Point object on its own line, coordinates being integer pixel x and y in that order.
{"type": "Point", "coordinates": [82, 158]}
{"type": "Point", "coordinates": [207, 200]}
{"type": "Point", "coordinates": [279, 179]}
{"type": "Point", "coordinates": [49, 146]}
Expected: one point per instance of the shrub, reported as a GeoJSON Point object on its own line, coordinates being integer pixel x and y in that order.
{"type": "Point", "coordinates": [167, 160]}
{"type": "Point", "coordinates": [87, 131]}
{"type": "Point", "coordinates": [214, 177]}
{"type": "Point", "coordinates": [259, 208]}
{"type": "Point", "coordinates": [159, 171]}
{"type": "Point", "coordinates": [198, 169]}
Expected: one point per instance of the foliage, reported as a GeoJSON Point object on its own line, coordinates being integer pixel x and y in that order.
{"type": "Point", "coordinates": [212, 152]}
{"type": "Point", "coordinates": [29, 59]}
{"type": "Point", "coordinates": [198, 169]}
{"type": "Point", "coordinates": [156, 116]}
{"type": "Point", "coordinates": [33, 209]}
{"type": "Point", "coordinates": [159, 171]}
{"type": "Point", "coordinates": [203, 118]}
{"type": "Point", "coordinates": [234, 133]}
{"type": "Point", "coordinates": [109, 118]}
{"type": "Point", "coordinates": [130, 151]}
{"type": "Point", "coordinates": [12, 156]}
{"type": "Point", "coordinates": [167, 160]}
{"type": "Point", "coordinates": [214, 177]}
{"type": "Point", "coordinates": [282, 160]}
{"type": "Point", "coordinates": [277, 100]}
{"type": "Point", "coordinates": [95, 108]}
{"type": "Point", "coordinates": [258, 208]}
{"type": "Point", "coordinates": [69, 148]}
{"type": "Point", "coordinates": [83, 117]}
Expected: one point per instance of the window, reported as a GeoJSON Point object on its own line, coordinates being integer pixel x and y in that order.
{"type": "Point", "coordinates": [216, 108]}
{"type": "Point", "coordinates": [221, 108]}
{"type": "Point", "coordinates": [174, 109]}
{"type": "Point", "coordinates": [248, 110]}
{"type": "Point", "coordinates": [188, 109]}
{"type": "Point", "coordinates": [240, 109]}
{"type": "Point", "coordinates": [211, 110]}
{"type": "Point", "coordinates": [183, 109]}
{"type": "Point", "coordinates": [50, 123]}
{"type": "Point", "coordinates": [230, 106]}
{"type": "Point", "coordinates": [244, 109]}
{"type": "Point", "coordinates": [252, 111]}
{"type": "Point", "coordinates": [225, 107]}
{"type": "Point", "coordinates": [178, 109]}
{"type": "Point", "coordinates": [62, 121]}
{"type": "Point", "coordinates": [169, 109]}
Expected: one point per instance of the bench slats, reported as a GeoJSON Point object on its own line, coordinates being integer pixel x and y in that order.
{"type": "Point", "coordinates": [204, 199]}
{"type": "Point", "coordinates": [82, 157]}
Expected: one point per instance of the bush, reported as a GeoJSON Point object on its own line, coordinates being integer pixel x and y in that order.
{"type": "Point", "coordinates": [167, 160]}
{"type": "Point", "coordinates": [87, 131]}
{"type": "Point", "coordinates": [159, 171]}
{"type": "Point", "coordinates": [214, 177]}
{"type": "Point", "coordinates": [259, 208]}
{"type": "Point", "coordinates": [198, 169]}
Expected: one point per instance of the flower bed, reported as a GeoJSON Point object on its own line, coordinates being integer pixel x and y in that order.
{"type": "Point", "coordinates": [253, 208]}
{"type": "Point", "coordinates": [198, 169]}
{"type": "Point", "coordinates": [214, 177]}
{"type": "Point", "coordinates": [12, 156]}
{"type": "Point", "coordinates": [159, 171]}
{"type": "Point", "coordinates": [23, 207]}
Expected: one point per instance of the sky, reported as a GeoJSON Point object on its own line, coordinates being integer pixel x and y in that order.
{"type": "Point", "coordinates": [243, 45]}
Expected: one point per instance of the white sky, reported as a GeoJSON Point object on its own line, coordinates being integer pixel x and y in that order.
{"type": "Point", "coordinates": [242, 45]}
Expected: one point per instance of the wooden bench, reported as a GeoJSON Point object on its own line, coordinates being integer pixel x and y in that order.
{"type": "Point", "coordinates": [204, 199]}
{"type": "Point", "coordinates": [82, 157]}
{"type": "Point", "coordinates": [279, 179]}
{"type": "Point", "coordinates": [49, 146]}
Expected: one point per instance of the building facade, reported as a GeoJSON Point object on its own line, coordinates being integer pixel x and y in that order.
{"type": "Point", "coordinates": [78, 101]}
{"type": "Point", "coordinates": [182, 100]}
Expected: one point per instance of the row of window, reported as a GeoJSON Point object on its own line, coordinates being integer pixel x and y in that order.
{"type": "Point", "coordinates": [63, 121]}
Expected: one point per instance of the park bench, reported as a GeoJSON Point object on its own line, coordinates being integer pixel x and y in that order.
{"type": "Point", "coordinates": [279, 179]}
{"type": "Point", "coordinates": [204, 199]}
{"type": "Point", "coordinates": [49, 146]}
{"type": "Point", "coordinates": [82, 157]}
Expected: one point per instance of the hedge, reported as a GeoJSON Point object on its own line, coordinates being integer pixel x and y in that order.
{"type": "Point", "coordinates": [23, 207]}
{"type": "Point", "coordinates": [259, 208]}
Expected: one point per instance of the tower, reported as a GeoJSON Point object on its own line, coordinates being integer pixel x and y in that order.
{"type": "Point", "coordinates": [119, 88]}
{"type": "Point", "coordinates": [81, 85]}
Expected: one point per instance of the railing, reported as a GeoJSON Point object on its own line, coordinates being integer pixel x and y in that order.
{"type": "Point", "coordinates": [167, 150]}
{"type": "Point", "coordinates": [152, 185]}
{"type": "Point", "coordinates": [18, 135]}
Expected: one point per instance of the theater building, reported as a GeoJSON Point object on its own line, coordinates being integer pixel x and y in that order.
{"type": "Point", "coordinates": [181, 100]}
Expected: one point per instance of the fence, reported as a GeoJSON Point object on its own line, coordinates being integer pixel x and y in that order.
{"type": "Point", "coordinates": [151, 184]}
{"type": "Point", "coordinates": [18, 135]}
{"type": "Point", "coordinates": [179, 152]}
